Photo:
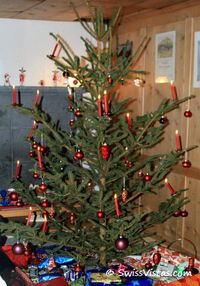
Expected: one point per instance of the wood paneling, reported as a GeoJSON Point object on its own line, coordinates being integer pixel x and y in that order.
{"type": "Point", "coordinates": [185, 23]}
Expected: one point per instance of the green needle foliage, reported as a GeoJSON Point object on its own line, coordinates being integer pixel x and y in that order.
{"type": "Point", "coordinates": [84, 187]}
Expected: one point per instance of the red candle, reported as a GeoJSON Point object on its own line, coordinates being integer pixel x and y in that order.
{"type": "Point", "coordinates": [99, 106]}
{"type": "Point", "coordinates": [105, 101]}
{"type": "Point", "coordinates": [178, 141]}
{"type": "Point", "coordinates": [44, 223]}
{"type": "Point", "coordinates": [29, 216]}
{"type": "Point", "coordinates": [17, 169]}
{"type": "Point", "coordinates": [116, 205]}
{"type": "Point", "coordinates": [39, 158]}
{"type": "Point", "coordinates": [36, 97]}
{"type": "Point", "coordinates": [167, 184]}
{"type": "Point", "coordinates": [173, 91]}
{"type": "Point", "coordinates": [128, 119]}
{"type": "Point", "coordinates": [14, 96]}
{"type": "Point", "coordinates": [54, 50]}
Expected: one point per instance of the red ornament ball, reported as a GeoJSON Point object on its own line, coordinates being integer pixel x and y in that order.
{"type": "Point", "coordinates": [72, 219]}
{"type": "Point", "coordinates": [79, 155]}
{"type": "Point", "coordinates": [156, 258]}
{"type": "Point", "coordinates": [147, 177]}
{"type": "Point", "coordinates": [19, 203]}
{"type": "Point", "coordinates": [186, 164]}
{"type": "Point", "coordinates": [43, 186]}
{"type": "Point", "coordinates": [75, 82]}
{"type": "Point", "coordinates": [121, 243]}
{"type": "Point", "coordinates": [44, 203]}
{"type": "Point", "coordinates": [77, 112]}
{"type": "Point", "coordinates": [18, 248]}
{"type": "Point", "coordinates": [110, 80]}
{"type": "Point", "coordinates": [35, 175]}
{"type": "Point", "coordinates": [105, 151]}
{"type": "Point", "coordinates": [34, 145]}
{"type": "Point", "coordinates": [163, 120]}
{"type": "Point", "coordinates": [177, 213]}
{"type": "Point", "coordinates": [42, 149]}
{"type": "Point", "coordinates": [31, 154]}
{"type": "Point", "coordinates": [75, 158]}
{"type": "Point", "coordinates": [100, 214]}
{"type": "Point", "coordinates": [77, 268]}
{"type": "Point", "coordinates": [13, 196]}
{"type": "Point", "coordinates": [70, 107]}
{"type": "Point", "coordinates": [124, 195]}
{"type": "Point", "coordinates": [71, 122]}
{"type": "Point", "coordinates": [148, 265]}
{"type": "Point", "coordinates": [184, 213]}
{"type": "Point", "coordinates": [188, 113]}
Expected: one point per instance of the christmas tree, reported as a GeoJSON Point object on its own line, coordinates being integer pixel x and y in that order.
{"type": "Point", "coordinates": [92, 175]}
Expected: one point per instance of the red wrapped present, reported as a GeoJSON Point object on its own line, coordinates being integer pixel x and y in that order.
{"type": "Point", "coordinates": [189, 281]}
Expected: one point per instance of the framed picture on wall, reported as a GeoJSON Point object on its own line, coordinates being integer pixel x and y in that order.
{"type": "Point", "coordinates": [196, 75]}
{"type": "Point", "coordinates": [165, 48]}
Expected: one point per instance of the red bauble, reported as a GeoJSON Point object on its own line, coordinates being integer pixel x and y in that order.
{"type": "Point", "coordinates": [156, 258]}
{"type": "Point", "coordinates": [18, 248]}
{"type": "Point", "coordinates": [188, 113]}
{"type": "Point", "coordinates": [163, 120]}
{"type": "Point", "coordinates": [31, 154]}
{"type": "Point", "coordinates": [79, 155]}
{"type": "Point", "coordinates": [34, 145]}
{"type": "Point", "coordinates": [77, 112]}
{"type": "Point", "coordinates": [105, 151]}
{"type": "Point", "coordinates": [75, 82]}
{"type": "Point", "coordinates": [70, 107]}
{"type": "Point", "coordinates": [177, 213]}
{"type": "Point", "coordinates": [184, 213]}
{"type": "Point", "coordinates": [42, 149]}
{"type": "Point", "coordinates": [70, 96]}
{"type": "Point", "coordinates": [72, 219]}
{"type": "Point", "coordinates": [186, 164]}
{"type": "Point", "coordinates": [100, 214]}
{"type": "Point", "coordinates": [147, 177]}
{"type": "Point", "coordinates": [35, 175]}
{"type": "Point", "coordinates": [19, 203]}
{"type": "Point", "coordinates": [110, 81]}
{"type": "Point", "coordinates": [77, 268]}
{"type": "Point", "coordinates": [148, 265]}
{"type": "Point", "coordinates": [13, 196]}
{"type": "Point", "coordinates": [44, 203]}
{"type": "Point", "coordinates": [75, 158]}
{"type": "Point", "coordinates": [121, 243]}
{"type": "Point", "coordinates": [124, 195]}
{"type": "Point", "coordinates": [71, 122]}
{"type": "Point", "coordinates": [43, 186]}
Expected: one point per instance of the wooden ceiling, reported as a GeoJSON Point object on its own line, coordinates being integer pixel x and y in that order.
{"type": "Point", "coordinates": [61, 10]}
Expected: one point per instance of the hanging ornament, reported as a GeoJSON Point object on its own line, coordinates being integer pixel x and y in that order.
{"type": "Point", "coordinates": [188, 113]}
{"type": "Point", "coordinates": [121, 81]}
{"type": "Point", "coordinates": [27, 249]}
{"type": "Point", "coordinates": [13, 196]}
{"type": "Point", "coordinates": [77, 112]}
{"type": "Point", "coordinates": [72, 219]}
{"type": "Point", "coordinates": [77, 268]}
{"type": "Point", "coordinates": [184, 213]}
{"type": "Point", "coordinates": [42, 149]}
{"type": "Point", "coordinates": [140, 174]}
{"type": "Point", "coordinates": [163, 120]}
{"type": "Point", "coordinates": [70, 107]}
{"type": "Point", "coordinates": [148, 265]}
{"type": "Point", "coordinates": [52, 213]}
{"type": "Point", "coordinates": [110, 80]}
{"type": "Point", "coordinates": [186, 164]}
{"type": "Point", "coordinates": [75, 81]}
{"type": "Point", "coordinates": [121, 243]}
{"type": "Point", "coordinates": [19, 203]}
{"type": "Point", "coordinates": [31, 154]}
{"type": "Point", "coordinates": [139, 82]}
{"type": "Point", "coordinates": [79, 154]}
{"type": "Point", "coordinates": [147, 177]}
{"type": "Point", "coordinates": [124, 195]}
{"type": "Point", "coordinates": [66, 74]}
{"type": "Point", "coordinates": [34, 145]}
{"type": "Point", "coordinates": [177, 213]}
{"type": "Point", "coordinates": [35, 175]}
{"type": "Point", "coordinates": [43, 186]}
{"type": "Point", "coordinates": [18, 248]}
{"type": "Point", "coordinates": [156, 258]}
{"type": "Point", "coordinates": [130, 164]}
{"type": "Point", "coordinates": [105, 151]}
{"type": "Point", "coordinates": [71, 122]}
{"type": "Point", "coordinates": [100, 214]}
{"type": "Point", "coordinates": [44, 203]}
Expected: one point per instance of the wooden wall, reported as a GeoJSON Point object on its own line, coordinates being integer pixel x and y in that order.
{"type": "Point", "coordinates": [185, 23]}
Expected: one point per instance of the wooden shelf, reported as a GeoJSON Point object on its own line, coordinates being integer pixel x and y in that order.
{"type": "Point", "coordinates": [13, 211]}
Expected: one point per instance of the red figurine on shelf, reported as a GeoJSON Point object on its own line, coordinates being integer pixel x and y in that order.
{"type": "Point", "coordinates": [22, 76]}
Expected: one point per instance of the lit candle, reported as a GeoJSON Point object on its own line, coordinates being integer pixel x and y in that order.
{"type": "Point", "coordinates": [126, 156]}
{"type": "Point", "coordinates": [116, 205]}
{"type": "Point", "coordinates": [14, 96]}
{"type": "Point", "coordinates": [105, 101]}
{"type": "Point", "coordinates": [39, 158]}
{"type": "Point", "coordinates": [29, 216]}
{"type": "Point", "coordinates": [54, 50]}
{"type": "Point", "coordinates": [128, 119]}
{"type": "Point", "coordinates": [178, 141]}
{"type": "Point", "coordinates": [167, 184]}
{"type": "Point", "coordinates": [17, 169]}
{"type": "Point", "coordinates": [173, 91]}
{"type": "Point", "coordinates": [44, 223]}
{"type": "Point", "coordinates": [36, 97]}
{"type": "Point", "coordinates": [99, 106]}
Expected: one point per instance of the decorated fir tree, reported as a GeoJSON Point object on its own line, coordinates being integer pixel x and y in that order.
{"type": "Point", "coordinates": [92, 175]}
